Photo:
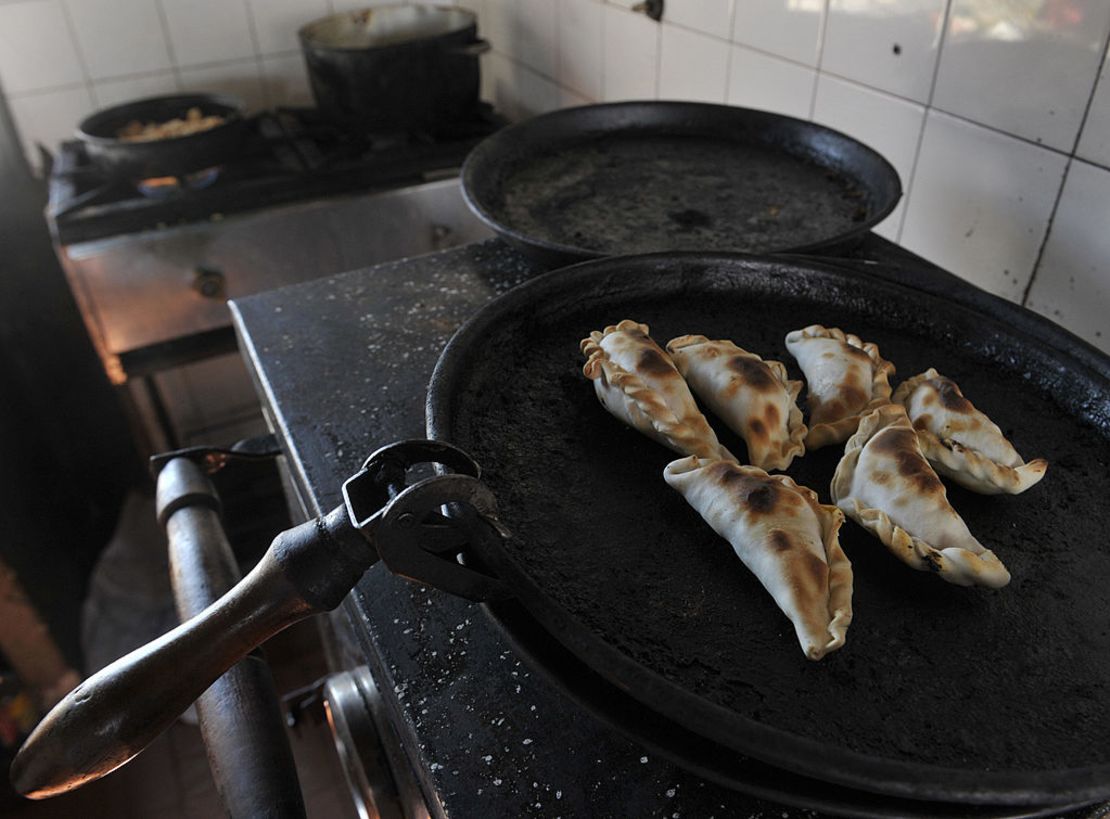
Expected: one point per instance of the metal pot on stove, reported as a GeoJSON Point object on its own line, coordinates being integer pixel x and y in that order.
{"type": "Point", "coordinates": [394, 68]}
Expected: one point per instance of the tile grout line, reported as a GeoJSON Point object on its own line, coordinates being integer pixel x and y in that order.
{"type": "Point", "coordinates": [1072, 158]}
{"type": "Point", "coordinates": [817, 71]}
{"type": "Point", "coordinates": [908, 192]}
{"type": "Point", "coordinates": [1047, 232]}
{"type": "Point", "coordinates": [731, 51]}
{"type": "Point", "coordinates": [79, 52]}
{"type": "Point", "coordinates": [165, 25]}
{"type": "Point", "coordinates": [252, 30]}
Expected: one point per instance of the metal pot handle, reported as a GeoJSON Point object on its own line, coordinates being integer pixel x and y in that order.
{"type": "Point", "coordinates": [113, 715]}
{"type": "Point", "coordinates": [474, 49]}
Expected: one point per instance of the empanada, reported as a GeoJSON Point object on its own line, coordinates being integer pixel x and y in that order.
{"type": "Point", "coordinates": [960, 441]}
{"type": "Point", "coordinates": [638, 383]}
{"type": "Point", "coordinates": [845, 379]}
{"type": "Point", "coordinates": [884, 483]}
{"type": "Point", "coordinates": [785, 537]}
{"type": "Point", "coordinates": [752, 396]}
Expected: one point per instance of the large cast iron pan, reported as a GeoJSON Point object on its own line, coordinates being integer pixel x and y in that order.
{"type": "Point", "coordinates": [177, 156]}
{"type": "Point", "coordinates": [963, 697]}
{"type": "Point", "coordinates": [957, 695]}
{"type": "Point", "coordinates": [636, 177]}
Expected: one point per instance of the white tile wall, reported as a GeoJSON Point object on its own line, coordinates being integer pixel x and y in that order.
{"type": "Point", "coordinates": [758, 80]}
{"type": "Point", "coordinates": [980, 106]}
{"type": "Point", "coordinates": [1029, 75]}
{"type": "Point", "coordinates": [1072, 284]}
{"type": "Point", "coordinates": [981, 202]}
{"type": "Point", "coordinates": [119, 37]}
{"type": "Point", "coordinates": [891, 46]}
{"type": "Point", "coordinates": [208, 31]}
{"type": "Point", "coordinates": [707, 16]}
{"type": "Point", "coordinates": [36, 47]}
{"type": "Point", "coordinates": [692, 66]}
{"type": "Point", "coordinates": [631, 55]}
{"type": "Point", "coordinates": [579, 47]}
{"type": "Point", "coordinates": [276, 21]}
{"type": "Point", "coordinates": [786, 28]}
{"type": "Point", "coordinates": [117, 92]}
{"type": "Point", "coordinates": [1094, 142]}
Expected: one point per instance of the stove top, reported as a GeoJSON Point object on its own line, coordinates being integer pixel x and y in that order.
{"type": "Point", "coordinates": [290, 154]}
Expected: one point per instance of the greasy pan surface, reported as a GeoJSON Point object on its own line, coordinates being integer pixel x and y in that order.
{"type": "Point", "coordinates": [941, 692]}
{"type": "Point", "coordinates": [637, 177]}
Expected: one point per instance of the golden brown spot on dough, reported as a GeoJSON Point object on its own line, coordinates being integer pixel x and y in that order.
{"type": "Point", "coordinates": [812, 575]}
{"type": "Point", "coordinates": [929, 399]}
{"type": "Point", "coordinates": [756, 429]}
{"type": "Point", "coordinates": [828, 354]}
{"type": "Point", "coordinates": [951, 397]}
{"type": "Point", "coordinates": [654, 361]}
{"type": "Point", "coordinates": [923, 421]}
{"type": "Point", "coordinates": [755, 374]}
{"type": "Point", "coordinates": [760, 496]}
{"type": "Point", "coordinates": [857, 353]}
{"type": "Point", "coordinates": [852, 397]}
{"type": "Point", "coordinates": [880, 477]}
{"type": "Point", "coordinates": [780, 541]}
{"type": "Point", "coordinates": [772, 417]}
{"type": "Point", "coordinates": [901, 445]}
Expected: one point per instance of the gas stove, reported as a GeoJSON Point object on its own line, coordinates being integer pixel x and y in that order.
{"type": "Point", "coordinates": [151, 271]}
{"type": "Point", "coordinates": [290, 154]}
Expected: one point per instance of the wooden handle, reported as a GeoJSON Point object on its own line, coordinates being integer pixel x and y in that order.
{"type": "Point", "coordinates": [117, 712]}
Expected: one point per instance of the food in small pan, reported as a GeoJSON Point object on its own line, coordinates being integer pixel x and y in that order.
{"type": "Point", "coordinates": [845, 377]}
{"type": "Point", "coordinates": [961, 442]}
{"type": "Point", "coordinates": [786, 538]}
{"type": "Point", "coordinates": [193, 122]}
{"type": "Point", "coordinates": [753, 397]}
{"type": "Point", "coordinates": [637, 382]}
{"type": "Point", "coordinates": [886, 485]}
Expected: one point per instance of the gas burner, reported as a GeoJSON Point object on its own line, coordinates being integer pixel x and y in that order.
{"type": "Point", "coordinates": [163, 187]}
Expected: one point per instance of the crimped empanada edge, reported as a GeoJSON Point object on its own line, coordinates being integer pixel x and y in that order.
{"type": "Point", "coordinates": [975, 471]}
{"type": "Point", "coordinates": [982, 569]}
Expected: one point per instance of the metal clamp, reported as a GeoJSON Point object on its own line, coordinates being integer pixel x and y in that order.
{"type": "Point", "coordinates": [407, 525]}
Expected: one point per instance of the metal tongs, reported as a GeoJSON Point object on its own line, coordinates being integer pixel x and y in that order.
{"type": "Point", "coordinates": [418, 531]}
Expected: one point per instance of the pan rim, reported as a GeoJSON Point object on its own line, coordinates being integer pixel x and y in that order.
{"type": "Point", "coordinates": [898, 778]}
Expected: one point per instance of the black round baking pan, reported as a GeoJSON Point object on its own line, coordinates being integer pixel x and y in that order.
{"type": "Point", "coordinates": [637, 177]}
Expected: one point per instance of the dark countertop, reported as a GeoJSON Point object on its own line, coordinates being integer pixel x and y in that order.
{"type": "Point", "coordinates": [343, 364]}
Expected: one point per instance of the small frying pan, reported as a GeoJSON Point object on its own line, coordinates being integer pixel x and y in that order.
{"type": "Point", "coordinates": [637, 177]}
{"type": "Point", "coordinates": [176, 156]}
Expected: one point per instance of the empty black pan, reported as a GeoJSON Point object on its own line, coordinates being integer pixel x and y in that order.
{"type": "Point", "coordinates": [637, 177]}
{"type": "Point", "coordinates": [122, 159]}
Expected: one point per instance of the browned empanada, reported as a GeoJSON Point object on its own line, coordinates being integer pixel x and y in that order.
{"type": "Point", "coordinates": [637, 382]}
{"type": "Point", "coordinates": [755, 398]}
{"type": "Point", "coordinates": [886, 485]}
{"type": "Point", "coordinates": [960, 441]}
{"type": "Point", "coordinates": [845, 379]}
{"type": "Point", "coordinates": [784, 536]}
